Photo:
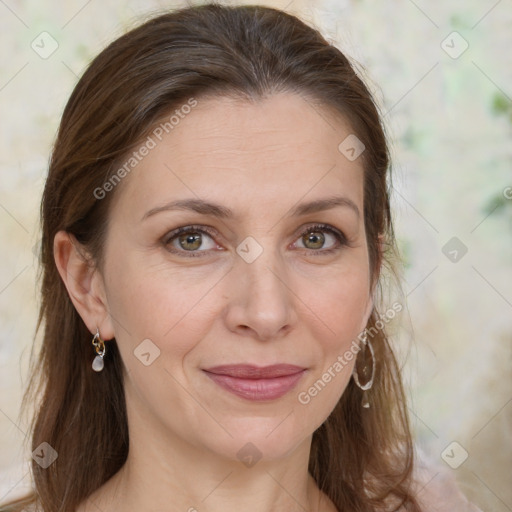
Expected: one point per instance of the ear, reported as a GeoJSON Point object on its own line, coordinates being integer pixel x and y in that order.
{"type": "Point", "coordinates": [84, 284]}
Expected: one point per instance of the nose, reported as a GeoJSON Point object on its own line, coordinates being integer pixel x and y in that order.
{"type": "Point", "coordinates": [262, 304]}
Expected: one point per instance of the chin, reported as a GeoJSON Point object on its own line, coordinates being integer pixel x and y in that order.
{"type": "Point", "coordinates": [259, 438]}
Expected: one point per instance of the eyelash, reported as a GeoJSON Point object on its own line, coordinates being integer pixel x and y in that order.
{"type": "Point", "coordinates": [340, 237]}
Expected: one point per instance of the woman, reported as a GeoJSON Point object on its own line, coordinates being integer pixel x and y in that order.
{"type": "Point", "coordinates": [215, 224]}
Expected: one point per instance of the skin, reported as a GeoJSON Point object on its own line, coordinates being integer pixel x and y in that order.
{"type": "Point", "coordinates": [288, 306]}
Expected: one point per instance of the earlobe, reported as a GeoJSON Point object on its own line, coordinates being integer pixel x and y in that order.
{"type": "Point", "coordinates": [83, 282]}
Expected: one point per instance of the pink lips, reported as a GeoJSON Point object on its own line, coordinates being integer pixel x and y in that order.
{"type": "Point", "coordinates": [256, 383]}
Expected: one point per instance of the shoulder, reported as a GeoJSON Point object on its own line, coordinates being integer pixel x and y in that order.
{"type": "Point", "coordinates": [436, 488]}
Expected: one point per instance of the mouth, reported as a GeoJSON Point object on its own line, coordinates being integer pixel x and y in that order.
{"type": "Point", "coordinates": [256, 383]}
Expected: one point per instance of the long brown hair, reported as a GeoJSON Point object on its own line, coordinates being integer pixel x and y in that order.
{"type": "Point", "coordinates": [361, 459]}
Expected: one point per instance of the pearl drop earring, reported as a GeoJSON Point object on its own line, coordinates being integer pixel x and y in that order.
{"type": "Point", "coordinates": [99, 345]}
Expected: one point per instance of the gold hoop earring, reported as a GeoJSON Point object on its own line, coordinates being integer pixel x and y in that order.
{"type": "Point", "coordinates": [99, 345]}
{"type": "Point", "coordinates": [364, 369]}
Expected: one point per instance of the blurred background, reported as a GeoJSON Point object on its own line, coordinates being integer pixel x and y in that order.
{"type": "Point", "coordinates": [442, 75]}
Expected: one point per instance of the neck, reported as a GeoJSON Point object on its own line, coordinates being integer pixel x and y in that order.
{"type": "Point", "coordinates": [165, 471]}
{"type": "Point", "coordinates": [180, 477]}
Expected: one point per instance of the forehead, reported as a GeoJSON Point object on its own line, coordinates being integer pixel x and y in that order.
{"type": "Point", "coordinates": [280, 147]}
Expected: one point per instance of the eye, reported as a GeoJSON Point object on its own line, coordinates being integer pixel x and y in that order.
{"type": "Point", "coordinates": [314, 238]}
{"type": "Point", "coordinates": [189, 239]}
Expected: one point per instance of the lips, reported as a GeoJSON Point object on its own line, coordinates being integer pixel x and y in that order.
{"type": "Point", "coordinates": [247, 371]}
{"type": "Point", "coordinates": [255, 382]}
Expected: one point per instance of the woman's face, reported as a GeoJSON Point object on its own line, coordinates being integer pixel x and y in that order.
{"type": "Point", "coordinates": [251, 282]}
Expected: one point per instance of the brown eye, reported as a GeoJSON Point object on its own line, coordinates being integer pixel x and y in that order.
{"type": "Point", "coordinates": [190, 240]}
{"type": "Point", "coordinates": [196, 241]}
{"type": "Point", "coordinates": [315, 238]}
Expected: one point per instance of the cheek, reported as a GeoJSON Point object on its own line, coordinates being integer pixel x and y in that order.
{"type": "Point", "coordinates": [152, 299]}
{"type": "Point", "coordinates": [340, 306]}
{"type": "Point", "coordinates": [166, 306]}
{"type": "Point", "coordinates": [339, 302]}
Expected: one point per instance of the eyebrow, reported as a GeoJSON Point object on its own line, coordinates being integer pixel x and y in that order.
{"type": "Point", "coordinates": [222, 212]}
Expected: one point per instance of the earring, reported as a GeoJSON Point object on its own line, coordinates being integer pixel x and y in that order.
{"type": "Point", "coordinates": [364, 372]}
{"type": "Point", "coordinates": [99, 345]}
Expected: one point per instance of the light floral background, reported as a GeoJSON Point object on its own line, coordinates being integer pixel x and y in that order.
{"type": "Point", "coordinates": [442, 73]}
